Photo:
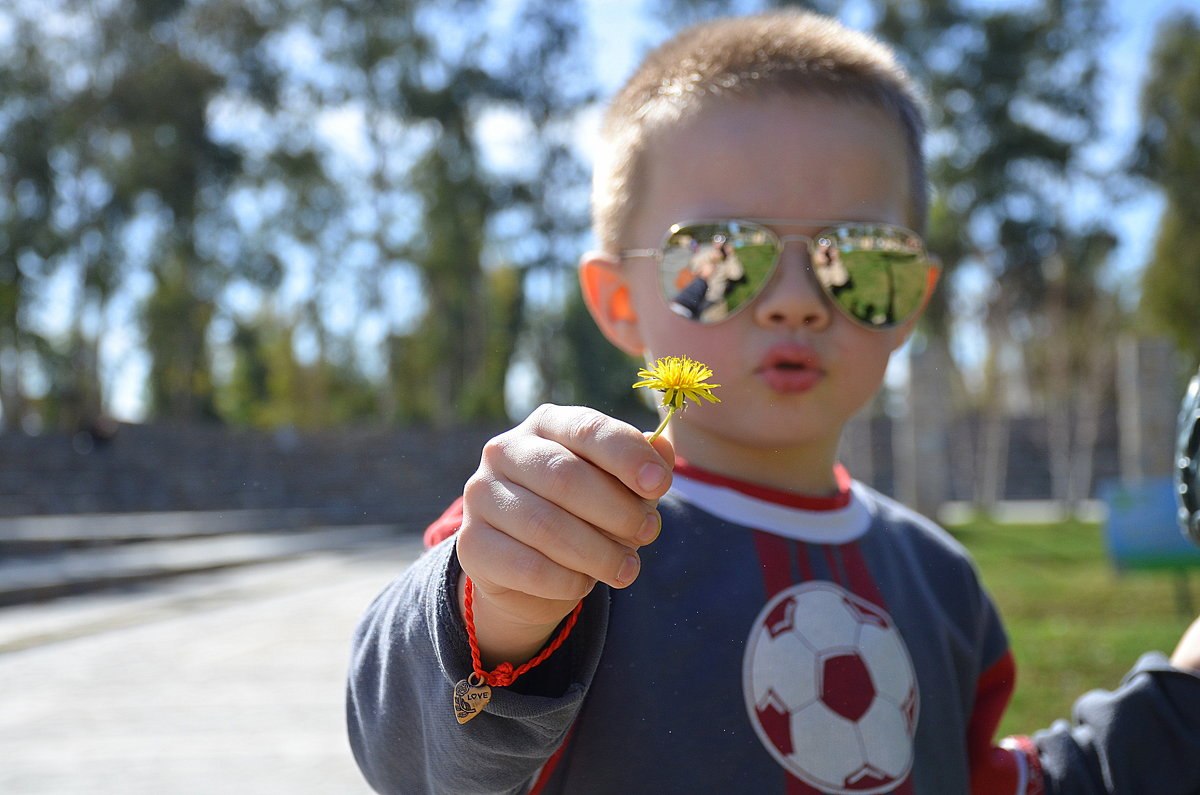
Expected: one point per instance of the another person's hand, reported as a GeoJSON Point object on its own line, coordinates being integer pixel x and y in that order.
{"type": "Point", "coordinates": [1187, 653]}
{"type": "Point", "coordinates": [559, 503]}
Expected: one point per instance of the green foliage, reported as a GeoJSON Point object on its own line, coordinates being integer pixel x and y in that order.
{"type": "Point", "coordinates": [1014, 98]}
{"type": "Point", "coordinates": [1171, 282]}
{"type": "Point", "coordinates": [177, 155]}
{"type": "Point", "coordinates": [269, 387]}
{"type": "Point", "coordinates": [187, 129]}
{"type": "Point", "coordinates": [453, 329]}
{"type": "Point", "coordinates": [180, 380]}
{"type": "Point", "coordinates": [109, 125]}
{"type": "Point", "coordinates": [502, 318]}
{"type": "Point", "coordinates": [1168, 154]}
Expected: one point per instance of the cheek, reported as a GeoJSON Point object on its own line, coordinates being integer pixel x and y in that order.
{"type": "Point", "coordinates": [663, 332]}
{"type": "Point", "coordinates": [867, 353]}
{"type": "Point", "coordinates": [643, 290]}
{"type": "Point", "coordinates": [666, 333]}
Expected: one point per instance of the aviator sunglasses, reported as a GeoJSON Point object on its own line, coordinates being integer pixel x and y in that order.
{"type": "Point", "coordinates": [878, 275]}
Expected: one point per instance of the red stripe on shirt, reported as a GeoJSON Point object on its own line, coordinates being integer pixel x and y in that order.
{"type": "Point", "coordinates": [994, 771]}
{"type": "Point", "coordinates": [831, 502]}
{"type": "Point", "coordinates": [775, 561]}
{"type": "Point", "coordinates": [551, 764]}
{"type": "Point", "coordinates": [860, 581]}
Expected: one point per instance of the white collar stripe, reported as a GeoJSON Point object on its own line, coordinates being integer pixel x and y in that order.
{"type": "Point", "coordinates": [838, 526]}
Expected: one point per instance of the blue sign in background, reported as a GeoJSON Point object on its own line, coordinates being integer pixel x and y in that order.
{"type": "Point", "coordinates": [1142, 528]}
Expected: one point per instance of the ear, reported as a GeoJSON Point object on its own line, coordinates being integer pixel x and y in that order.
{"type": "Point", "coordinates": [606, 294]}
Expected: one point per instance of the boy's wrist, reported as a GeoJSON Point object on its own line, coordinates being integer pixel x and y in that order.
{"type": "Point", "coordinates": [502, 636]}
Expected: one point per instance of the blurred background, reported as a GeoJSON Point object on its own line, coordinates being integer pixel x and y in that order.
{"type": "Point", "coordinates": [314, 214]}
{"type": "Point", "coordinates": [272, 270]}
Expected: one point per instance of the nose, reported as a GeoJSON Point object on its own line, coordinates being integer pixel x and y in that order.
{"type": "Point", "coordinates": [793, 299]}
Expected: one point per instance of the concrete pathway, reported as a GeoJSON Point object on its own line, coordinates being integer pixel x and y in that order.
{"type": "Point", "coordinates": [229, 682]}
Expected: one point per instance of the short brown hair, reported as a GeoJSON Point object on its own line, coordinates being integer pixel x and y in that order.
{"type": "Point", "coordinates": [788, 52]}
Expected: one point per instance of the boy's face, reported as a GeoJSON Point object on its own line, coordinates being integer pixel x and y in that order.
{"type": "Point", "coordinates": [793, 370]}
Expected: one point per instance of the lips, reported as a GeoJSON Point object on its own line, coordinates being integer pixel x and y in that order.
{"type": "Point", "coordinates": [791, 368]}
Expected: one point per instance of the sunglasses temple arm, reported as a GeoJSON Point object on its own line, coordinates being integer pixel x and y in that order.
{"type": "Point", "coordinates": [935, 274]}
{"type": "Point", "coordinates": [932, 277]}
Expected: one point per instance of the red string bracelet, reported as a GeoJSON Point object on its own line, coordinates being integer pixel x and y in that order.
{"type": "Point", "coordinates": [472, 694]}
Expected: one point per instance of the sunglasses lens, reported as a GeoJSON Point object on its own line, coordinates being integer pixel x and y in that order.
{"type": "Point", "coordinates": [877, 275]}
{"type": "Point", "coordinates": [709, 271]}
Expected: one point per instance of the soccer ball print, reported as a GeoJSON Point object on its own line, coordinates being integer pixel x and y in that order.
{"type": "Point", "coordinates": [830, 689]}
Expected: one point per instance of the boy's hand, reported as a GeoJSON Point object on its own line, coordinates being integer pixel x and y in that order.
{"type": "Point", "coordinates": [1187, 653]}
{"type": "Point", "coordinates": [559, 503]}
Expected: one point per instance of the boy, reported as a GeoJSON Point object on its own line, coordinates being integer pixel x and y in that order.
{"type": "Point", "coordinates": [788, 630]}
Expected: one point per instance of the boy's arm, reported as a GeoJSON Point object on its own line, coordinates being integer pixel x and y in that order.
{"type": "Point", "coordinates": [1142, 737]}
{"type": "Point", "coordinates": [556, 506]}
{"type": "Point", "coordinates": [409, 650]}
{"type": "Point", "coordinates": [1187, 653]}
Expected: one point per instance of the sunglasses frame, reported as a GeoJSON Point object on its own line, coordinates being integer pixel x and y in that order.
{"type": "Point", "coordinates": [823, 227]}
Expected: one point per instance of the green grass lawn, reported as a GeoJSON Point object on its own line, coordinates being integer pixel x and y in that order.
{"type": "Point", "coordinates": [1075, 624]}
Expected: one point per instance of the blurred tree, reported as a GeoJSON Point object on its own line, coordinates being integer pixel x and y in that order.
{"type": "Point", "coordinates": [454, 328]}
{"type": "Point", "coordinates": [269, 387]}
{"type": "Point", "coordinates": [474, 236]}
{"type": "Point", "coordinates": [1168, 154]}
{"type": "Point", "coordinates": [1075, 364]}
{"type": "Point", "coordinates": [551, 83]}
{"type": "Point", "coordinates": [248, 388]}
{"type": "Point", "coordinates": [27, 239]}
{"type": "Point", "coordinates": [1015, 102]}
{"type": "Point", "coordinates": [323, 167]}
{"type": "Point", "coordinates": [107, 114]}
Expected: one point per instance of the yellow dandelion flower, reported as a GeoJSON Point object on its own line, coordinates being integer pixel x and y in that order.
{"type": "Point", "coordinates": [678, 378]}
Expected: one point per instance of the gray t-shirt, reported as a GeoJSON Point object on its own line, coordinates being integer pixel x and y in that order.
{"type": "Point", "coordinates": [771, 644]}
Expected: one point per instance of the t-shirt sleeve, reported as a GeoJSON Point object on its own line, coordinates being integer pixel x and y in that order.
{"type": "Point", "coordinates": [1142, 737]}
{"type": "Point", "coordinates": [408, 652]}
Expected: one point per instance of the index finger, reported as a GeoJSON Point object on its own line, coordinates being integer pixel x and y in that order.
{"type": "Point", "coordinates": [609, 444]}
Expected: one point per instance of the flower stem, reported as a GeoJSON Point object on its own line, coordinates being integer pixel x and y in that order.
{"type": "Point", "coordinates": [662, 425]}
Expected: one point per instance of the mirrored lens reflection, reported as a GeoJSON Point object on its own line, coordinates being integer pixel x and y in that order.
{"type": "Point", "coordinates": [876, 275]}
{"type": "Point", "coordinates": [709, 271]}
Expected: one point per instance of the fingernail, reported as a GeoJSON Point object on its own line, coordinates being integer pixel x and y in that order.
{"type": "Point", "coordinates": [629, 569]}
{"type": "Point", "coordinates": [651, 476]}
{"type": "Point", "coordinates": [651, 527]}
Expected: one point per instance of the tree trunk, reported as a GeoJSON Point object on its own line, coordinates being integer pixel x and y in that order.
{"type": "Point", "coordinates": [1087, 424]}
{"type": "Point", "coordinates": [993, 437]}
{"type": "Point", "coordinates": [12, 391]}
{"type": "Point", "coordinates": [1059, 396]}
{"type": "Point", "coordinates": [1148, 401]}
{"type": "Point", "coordinates": [922, 435]}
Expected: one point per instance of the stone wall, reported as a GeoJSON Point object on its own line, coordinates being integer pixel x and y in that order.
{"type": "Point", "coordinates": [368, 475]}
{"type": "Point", "coordinates": [348, 476]}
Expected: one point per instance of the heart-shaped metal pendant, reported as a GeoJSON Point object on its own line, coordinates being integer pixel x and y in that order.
{"type": "Point", "coordinates": [471, 696]}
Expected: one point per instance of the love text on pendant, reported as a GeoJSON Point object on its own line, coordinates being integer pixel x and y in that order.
{"type": "Point", "coordinates": [470, 698]}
